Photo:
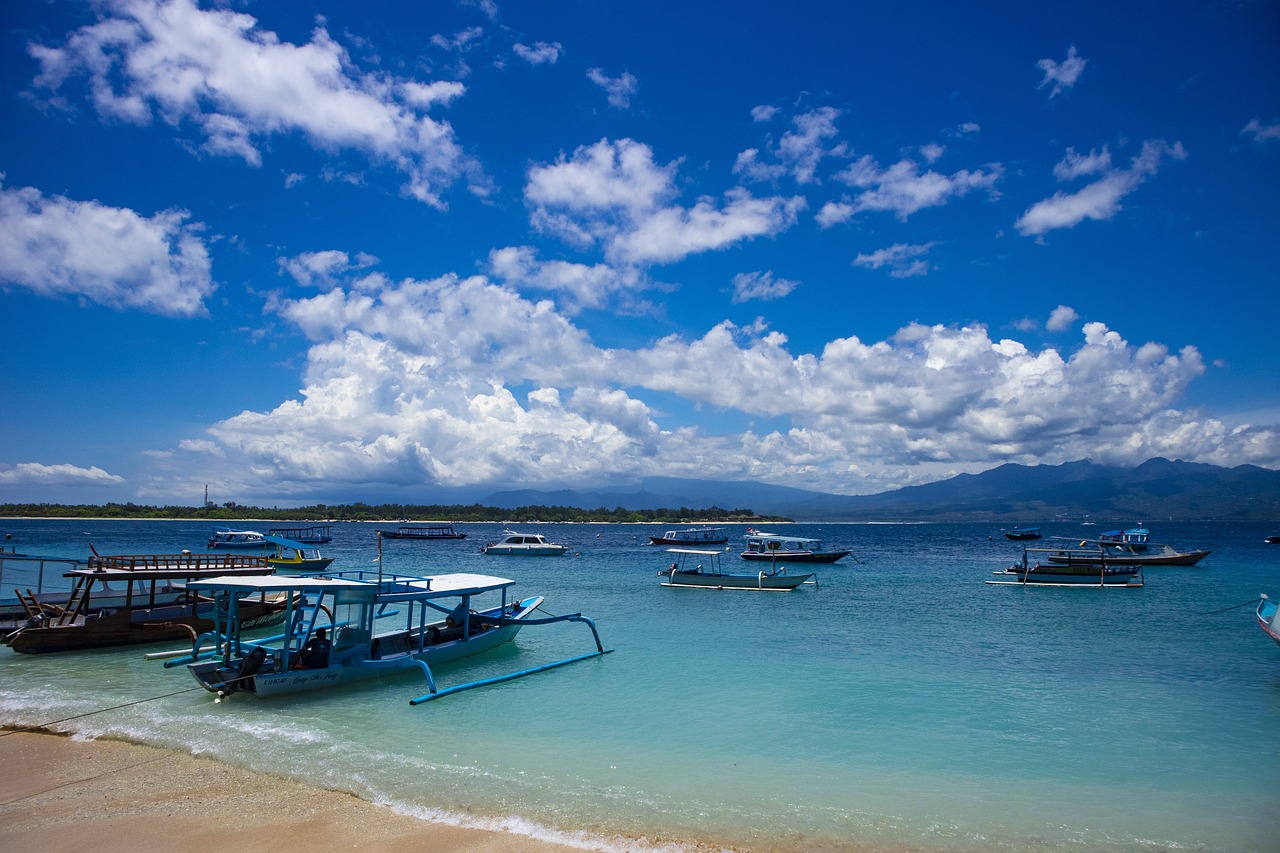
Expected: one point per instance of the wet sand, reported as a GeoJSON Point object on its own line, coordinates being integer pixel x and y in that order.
{"type": "Point", "coordinates": [59, 794]}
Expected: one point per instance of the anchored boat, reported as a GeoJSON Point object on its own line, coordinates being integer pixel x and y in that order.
{"type": "Point", "coordinates": [240, 540]}
{"type": "Point", "coordinates": [1031, 571]}
{"type": "Point", "coordinates": [352, 626]}
{"type": "Point", "coordinates": [692, 536]}
{"type": "Point", "coordinates": [1267, 618]}
{"type": "Point", "coordinates": [700, 568]}
{"type": "Point", "coordinates": [423, 532]}
{"type": "Point", "coordinates": [793, 549]}
{"type": "Point", "coordinates": [525, 545]}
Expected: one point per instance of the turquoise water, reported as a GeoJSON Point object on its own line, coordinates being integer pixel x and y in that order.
{"type": "Point", "coordinates": [902, 703]}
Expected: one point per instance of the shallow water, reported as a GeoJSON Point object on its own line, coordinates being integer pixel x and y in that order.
{"type": "Point", "coordinates": [901, 703]}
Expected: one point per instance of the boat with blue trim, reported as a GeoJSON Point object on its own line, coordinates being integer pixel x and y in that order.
{"type": "Point", "coordinates": [357, 625]}
{"type": "Point", "coordinates": [793, 549]}
{"type": "Point", "coordinates": [701, 569]}
{"type": "Point", "coordinates": [1267, 618]}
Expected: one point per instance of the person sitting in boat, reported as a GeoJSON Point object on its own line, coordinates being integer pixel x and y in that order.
{"type": "Point", "coordinates": [315, 654]}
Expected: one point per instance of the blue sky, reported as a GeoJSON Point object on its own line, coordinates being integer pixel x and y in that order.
{"type": "Point", "coordinates": [419, 251]}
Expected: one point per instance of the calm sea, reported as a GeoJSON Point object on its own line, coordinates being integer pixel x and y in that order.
{"type": "Point", "coordinates": [901, 703]}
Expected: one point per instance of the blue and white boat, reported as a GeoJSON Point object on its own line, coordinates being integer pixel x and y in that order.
{"type": "Point", "coordinates": [700, 569]}
{"type": "Point", "coordinates": [315, 534]}
{"type": "Point", "coordinates": [775, 547]}
{"type": "Point", "coordinates": [1267, 618]}
{"type": "Point", "coordinates": [244, 540]}
{"type": "Point", "coordinates": [1137, 538]}
{"type": "Point", "coordinates": [353, 626]}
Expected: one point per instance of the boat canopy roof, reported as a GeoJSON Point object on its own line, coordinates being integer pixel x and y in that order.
{"type": "Point", "coordinates": [172, 573]}
{"type": "Point", "coordinates": [699, 551]}
{"type": "Point", "coordinates": [460, 583]}
{"type": "Point", "coordinates": [779, 537]}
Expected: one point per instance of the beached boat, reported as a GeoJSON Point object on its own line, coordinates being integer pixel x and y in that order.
{"type": "Point", "coordinates": [316, 534]}
{"type": "Point", "coordinates": [337, 632]}
{"type": "Point", "coordinates": [701, 569]}
{"type": "Point", "coordinates": [423, 532]}
{"type": "Point", "coordinates": [130, 599]}
{"type": "Point", "coordinates": [241, 540]}
{"type": "Point", "coordinates": [1032, 571]}
{"type": "Point", "coordinates": [692, 536]}
{"type": "Point", "coordinates": [1267, 618]}
{"type": "Point", "coordinates": [294, 558]}
{"type": "Point", "coordinates": [1096, 552]}
{"type": "Point", "coordinates": [792, 549]}
{"type": "Point", "coordinates": [1023, 533]}
{"type": "Point", "coordinates": [525, 545]}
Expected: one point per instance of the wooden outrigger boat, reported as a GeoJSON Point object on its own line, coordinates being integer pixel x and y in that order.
{"type": "Point", "coordinates": [688, 571]}
{"type": "Point", "coordinates": [1267, 618]}
{"type": "Point", "coordinates": [1103, 574]}
{"type": "Point", "coordinates": [343, 628]}
{"type": "Point", "coordinates": [1023, 533]}
{"type": "Point", "coordinates": [131, 599]}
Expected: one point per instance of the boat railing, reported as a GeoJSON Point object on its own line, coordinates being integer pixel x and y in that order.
{"type": "Point", "coordinates": [28, 572]}
{"type": "Point", "coordinates": [185, 560]}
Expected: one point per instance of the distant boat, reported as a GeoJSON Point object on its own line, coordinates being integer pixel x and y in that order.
{"type": "Point", "coordinates": [1267, 618]}
{"type": "Point", "coordinates": [697, 568]}
{"type": "Point", "coordinates": [1021, 533]}
{"type": "Point", "coordinates": [792, 549]}
{"type": "Point", "coordinates": [1273, 540]}
{"type": "Point", "coordinates": [424, 532]}
{"type": "Point", "coordinates": [692, 536]}
{"type": "Point", "coordinates": [243, 540]}
{"type": "Point", "coordinates": [316, 534]}
{"type": "Point", "coordinates": [525, 545]}
{"type": "Point", "coordinates": [1030, 571]}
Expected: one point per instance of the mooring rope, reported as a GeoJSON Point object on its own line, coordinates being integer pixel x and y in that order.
{"type": "Point", "coordinates": [1232, 607]}
{"type": "Point", "coordinates": [38, 726]}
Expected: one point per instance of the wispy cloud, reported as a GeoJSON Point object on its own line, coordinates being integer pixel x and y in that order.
{"type": "Point", "coordinates": [619, 89]}
{"type": "Point", "coordinates": [1062, 75]}
{"type": "Point", "coordinates": [1101, 199]}
{"type": "Point", "coordinates": [902, 260]}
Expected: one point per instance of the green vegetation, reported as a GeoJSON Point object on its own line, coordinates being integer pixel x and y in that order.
{"type": "Point", "coordinates": [384, 512]}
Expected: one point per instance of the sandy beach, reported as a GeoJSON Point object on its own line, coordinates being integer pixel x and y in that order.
{"type": "Point", "coordinates": [60, 794]}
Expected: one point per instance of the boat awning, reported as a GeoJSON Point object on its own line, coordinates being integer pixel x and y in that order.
{"type": "Point", "coordinates": [277, 583]}
{"type": "Point", "coordinates": [175, 573]}
{"type": "Point", "coordinates": [461, 583]}
{"type": "Point", "coordinates": [700, 551]}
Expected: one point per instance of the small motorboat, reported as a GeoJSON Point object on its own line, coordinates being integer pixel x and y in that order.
{"type": "Point", "coordinates": [699, 568]}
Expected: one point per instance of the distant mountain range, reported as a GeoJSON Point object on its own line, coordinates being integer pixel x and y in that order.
{"type": "Point", "coordinates": [1156, 489]}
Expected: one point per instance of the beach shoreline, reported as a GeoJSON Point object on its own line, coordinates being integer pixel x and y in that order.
{"type": "Point", "coordinates": [62, 793]}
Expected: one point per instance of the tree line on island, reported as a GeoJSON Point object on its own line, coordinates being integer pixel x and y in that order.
{"type": "Point", "coordinates": [231, 511]}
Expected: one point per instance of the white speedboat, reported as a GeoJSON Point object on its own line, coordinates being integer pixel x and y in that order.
{"type": "Point", "coordinates": [525, 545]}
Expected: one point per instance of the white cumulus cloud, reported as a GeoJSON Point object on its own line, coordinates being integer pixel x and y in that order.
{"type": "Point", "coordinates": [110, 255]}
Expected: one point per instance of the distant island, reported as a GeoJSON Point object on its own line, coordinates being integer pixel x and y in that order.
{"type": "Point", "coordinates": [232, 511]}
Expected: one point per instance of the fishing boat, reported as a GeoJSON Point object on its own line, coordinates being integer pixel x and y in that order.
{"type": "Point", "coordinates": [294, 558]}
{"type": "Point", "coordinates": [1023, 533]}
{"type": "Point", "coordinates": [1267, 618]}
{"type": "Point", "coordinates": [692, 536]}
{"type": "Point", "coordinates": [131, 599]}
{"type": "Point", "coordinates": [316, 534]}
{"type": "Point", "coordinates": [1096, 552]}
{"type": "Point", "coordinates": [525, 545]}
{"type": "Point", "coordinates": [793, 549]}
{"type": "Point", "coordinates": [1032, 571]}
{"type": "Point", "coordinates": [423, 532]}
{"type": "Point", "coordinates": [700, 568]}
{"type": "Point", "coordinates": [242, 540]}
{"type": "Point", "coordinates": [352, 626]}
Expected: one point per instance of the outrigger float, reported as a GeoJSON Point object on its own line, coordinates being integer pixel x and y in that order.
{"type": "Point", "coordinates": [342, 628]}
